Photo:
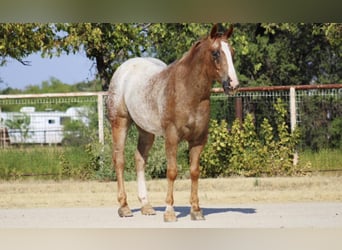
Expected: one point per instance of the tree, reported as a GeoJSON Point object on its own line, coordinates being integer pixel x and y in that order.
{"type": "Point", "coordinates": [19, 40]}
{"type": "Point", "coordinates": [169, 41]}
{"type": "Point", "coordinates": [20, 124]}
{"type": "Point", "coordinates": [111, 44]}
{"type": "Point", "coordinates": [106, 44]}
{"type": "Point", "coordinates": [288, 54]}
{"type": "Point", "coordinates": [265, 53]}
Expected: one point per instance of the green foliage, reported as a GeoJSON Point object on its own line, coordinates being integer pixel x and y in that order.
{"type": "Point", "coordinates": [75, 133]}
{"type": "Point", "coordinates": [322, 126]}
{"type": "Point", "coordinates": [335, 131]}
{"type": "Point", "coordinates": [169, 41]}
{"type": "Point", "coordinates": [20, 123]}
{"type": "Point", "coordinates": [18, 40]}
{"type": "Point", "coordinates": [30, 162]}
{"type": "Point", "coordinates": [156, 164]}
{"type": "Point", "coordinates": [73, 164]}
{"type": "Point", "coordinates": [265, 53]}
{"type": "Point", "coordinates": [52, 86]}
{"type": "Point", "coordinates": [216, 155]}
{"type": "Point", "coordinates": [82, 139]}
{"type": "Point", "coordinates": [287, 54]}
{"type": "Point", "coordinates": [100, 157]}
{"type": "Point", "coordinates": [241, 151]}
{"type": "Point", "coordinates": [106, 44]}
{"type": "Point", "coordinates": [323, 160]}
{"type": "Point", "coordinates": [222, 108]}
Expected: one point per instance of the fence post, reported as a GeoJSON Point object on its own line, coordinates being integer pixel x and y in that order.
{"type": "Point", "coordinates": [238, 109]}
{"type": "Point", "coordinates": [293, 118]}
{"type": "Point", "coordinates": [100, 117]}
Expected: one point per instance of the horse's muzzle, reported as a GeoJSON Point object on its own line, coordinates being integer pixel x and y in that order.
{"type": "Point", "coordinates": [227, 88]}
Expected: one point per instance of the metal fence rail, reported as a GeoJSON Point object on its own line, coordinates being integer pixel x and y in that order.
{"type": "Point", "coordinates": [256, 100]}
{"type": "Point", "coordinates": [315, 109]}
{"type": "Point", "coordinates": [270, 94]}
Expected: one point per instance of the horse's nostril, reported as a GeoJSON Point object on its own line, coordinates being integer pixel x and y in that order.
{"type": "Point", "coordinates": [226, 86]}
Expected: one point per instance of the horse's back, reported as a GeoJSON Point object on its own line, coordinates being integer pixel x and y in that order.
{"type": "Point", "coordinates": [133, 86]}
{"type": "Point", "coordinates": [136, 70]}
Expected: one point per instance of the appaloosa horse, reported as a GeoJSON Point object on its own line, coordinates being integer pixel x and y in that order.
{"type": "Point", "coordinates": [170, 101]}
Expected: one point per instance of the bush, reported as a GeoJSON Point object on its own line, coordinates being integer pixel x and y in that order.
{"type": "Point", "coordinates": [100, 158]}
{"type": "Point", "coordinates": [74, 163]}
{"type": "Point", "coordinates": [241, 151]}
{"type": "Point", "coordinates": [335, 132]}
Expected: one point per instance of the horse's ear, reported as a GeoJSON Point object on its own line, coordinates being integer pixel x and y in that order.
{"type": "Point", "coordinates": [228, 32]}
{"type": "Point", "coordinates": [213, 32]}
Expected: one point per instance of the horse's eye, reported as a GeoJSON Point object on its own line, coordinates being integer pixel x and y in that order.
{"type": "Point", "coordinates": [216, 54]}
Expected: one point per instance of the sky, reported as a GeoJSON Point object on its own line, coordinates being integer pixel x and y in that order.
{"type": "Point", "coordinates": [68, 69]}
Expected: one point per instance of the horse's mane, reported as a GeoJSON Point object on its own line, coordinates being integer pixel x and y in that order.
{"type": "Point", "coordinates": [190, 54]}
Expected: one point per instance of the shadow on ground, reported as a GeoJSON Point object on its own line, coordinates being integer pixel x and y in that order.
{"type": "Point", "coordinates": [184, 211]}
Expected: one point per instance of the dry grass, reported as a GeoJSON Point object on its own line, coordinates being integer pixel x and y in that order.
{"type": "Point", "coordinates": [29, 194]}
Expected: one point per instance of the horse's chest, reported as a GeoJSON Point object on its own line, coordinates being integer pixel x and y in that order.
{"type": "Point", "coordinates": [196, 122]}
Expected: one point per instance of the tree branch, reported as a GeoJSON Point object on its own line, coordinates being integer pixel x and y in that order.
{"type": "Point", "coordinates": [25, 63]}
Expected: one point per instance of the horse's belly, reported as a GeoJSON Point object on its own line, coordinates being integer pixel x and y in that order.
{"type": "Point", "coordinates": [145, 108]}
{"type": "Point", "coordinates": [147, 121]}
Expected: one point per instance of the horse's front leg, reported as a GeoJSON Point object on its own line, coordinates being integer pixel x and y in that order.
{"type": "Point", "coordinates": [171, 144]}
{"type": "Point", "coordinates": [195, 152]}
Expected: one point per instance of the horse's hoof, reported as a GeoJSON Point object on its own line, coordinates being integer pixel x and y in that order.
{"type": "Point", "coordinates": [197, 215]}
{"type": "Point", "coordinates": [125, 212]}
{"type": "Point", "coordinates": [170, 216]}
{"type": "Point", "coordinates": [147, 209]}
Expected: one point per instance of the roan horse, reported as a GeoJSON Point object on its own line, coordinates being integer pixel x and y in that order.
{"type": "Point", "coordinates": [170, 101]}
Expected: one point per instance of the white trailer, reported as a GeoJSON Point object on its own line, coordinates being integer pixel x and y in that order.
{"type": "Point", "coordinates": [42, 127]}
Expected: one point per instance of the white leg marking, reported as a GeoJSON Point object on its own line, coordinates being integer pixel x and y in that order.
{"type": "Point", "coordinates": [142, 190]}
{"type": "Point", "coordinates": [169, 208]}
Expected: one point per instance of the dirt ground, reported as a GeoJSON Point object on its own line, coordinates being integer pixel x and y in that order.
{"type": "Point", "coordinates": [296, 202]}
{"type": "Point", "coordinates": [69, 194]}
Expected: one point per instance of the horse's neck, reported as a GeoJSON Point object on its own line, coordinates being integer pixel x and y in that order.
{"type": "Point", "coordinates": [196, 80]}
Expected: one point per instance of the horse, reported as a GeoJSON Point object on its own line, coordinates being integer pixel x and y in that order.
{"type": "Point", "coordinates": [172, 101]}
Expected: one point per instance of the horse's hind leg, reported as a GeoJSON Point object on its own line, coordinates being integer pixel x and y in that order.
{"type": "Point", "coordinates": [120, 127]}
{"type": "Point", "coordinates": [145, 142]}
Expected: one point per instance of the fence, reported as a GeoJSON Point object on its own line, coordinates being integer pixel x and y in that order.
{"type": "Point", "coordinates": [75, 119]}
{"type": "Point", "coordinates": [315, 109]}
{"type": "Point", "coordinates": [41, 118]}
{"type": "Point", "coordinates": [46, 114]}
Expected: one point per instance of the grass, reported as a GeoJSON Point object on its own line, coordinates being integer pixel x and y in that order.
{"type": "Point", "coordinates": [41, 162]}
{"type": "Point", "coordinates": [326, 159]}
{"type": "Point", "coordinates": [29, 161]}
{"type": "Point", "coordinates": [52, 162]}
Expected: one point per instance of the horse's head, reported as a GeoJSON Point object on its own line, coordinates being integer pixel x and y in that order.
{"type": "Point", "coordinates": [222, 58]}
